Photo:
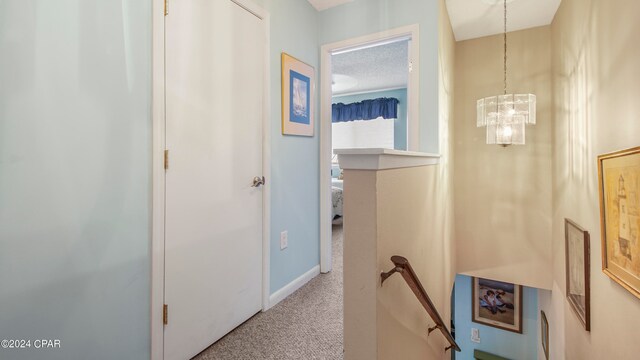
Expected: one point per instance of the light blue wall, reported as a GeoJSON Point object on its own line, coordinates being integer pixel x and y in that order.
{"type": "Point", "coordinates": [363, 17]}
{"type": "Point", "coordinates": [400, 124]}
{"type": "Point", "coordinates": [499, 342]}
{"type": "Point", "coordinates": [295, 167]}
{"type": "Point", "coordinates": [75, 184]}
{"type": "Point", "coordinates": [299, 30]}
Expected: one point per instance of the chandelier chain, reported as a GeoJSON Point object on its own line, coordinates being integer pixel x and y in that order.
{"type": "Point", "coordinates": [505, 47]}
{"type": "Point", "coordinates": [505, 116]}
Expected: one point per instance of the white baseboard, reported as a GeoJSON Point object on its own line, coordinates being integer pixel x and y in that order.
{"type": "Point", "coordinates": [291, 287]}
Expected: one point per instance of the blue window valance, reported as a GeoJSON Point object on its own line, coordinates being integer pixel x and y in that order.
{"type": "Point", "coordinates": [386, 108]}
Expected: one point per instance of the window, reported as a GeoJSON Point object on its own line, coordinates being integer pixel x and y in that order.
{"type": "Point", "coordinates": [368, 123]}
{"type": "Point", "coordinates": [377, 133]}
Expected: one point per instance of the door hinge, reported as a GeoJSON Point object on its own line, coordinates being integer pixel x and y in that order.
{"type": "Point", "coordinates": [165, 314]}
{"type": "Point", "coordinates": [410, 66]}
{"type": "Point", "coordinates": [166, 159]}
{"type": "Point", "coordinates": [166, 7]}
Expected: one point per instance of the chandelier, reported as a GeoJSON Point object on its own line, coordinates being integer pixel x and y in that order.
{"type": "Point", "coordinates": [505, 116]}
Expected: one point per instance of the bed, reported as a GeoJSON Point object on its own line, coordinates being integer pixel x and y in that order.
{"type": "Point", "coordinates": [336, 200]}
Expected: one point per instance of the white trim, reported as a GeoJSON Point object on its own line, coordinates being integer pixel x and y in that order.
{"type": "Point", "coordinates": [321, 5]}
{"type": "Point", "coordinates": [266, 165]}
{"type": "Point", "coordinates": [370, 44]}
{"type": "Point", "coordinates": [325, 159]}
{"type": "Point", "coordinates": [158, 146]}
{"type": "Point", "coordinates": [291, 287]}
{"type": "Point", "coordinates": [252, 8]}
{"type": "Point", "coordinates": [158, 173]}
{"type": "Point", "coordinates": [382, 159]}
{"type": "Point", "coordinates": [369, 91]}
{"type": "Point", "coordinates": [413, 92]}
{"type": "Point", "coordinates": [413, 134]}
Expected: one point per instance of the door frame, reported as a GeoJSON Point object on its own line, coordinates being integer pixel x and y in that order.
{"type": "Point", "coordinates": [413, 134]}
{"type": "Point", "coordinates": [158, 172]}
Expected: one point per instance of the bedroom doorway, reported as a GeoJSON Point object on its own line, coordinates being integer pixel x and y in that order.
{"type": "Point", "coordinates": [368, 100]}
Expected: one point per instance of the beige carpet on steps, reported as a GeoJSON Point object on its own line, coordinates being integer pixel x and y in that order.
{"type": "Point", "coordinates": [306, 325]}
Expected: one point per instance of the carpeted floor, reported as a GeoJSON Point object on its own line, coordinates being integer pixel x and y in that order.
{"type": "Point", "coordinates": [306, 325]}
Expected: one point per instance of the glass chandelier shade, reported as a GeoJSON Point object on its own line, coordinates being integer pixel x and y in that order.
{"type": "Point", "coordinates": [506, 116]}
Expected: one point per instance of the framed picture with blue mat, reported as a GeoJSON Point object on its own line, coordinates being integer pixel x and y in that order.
{"type": "Point", "coordinates": [298, 94]}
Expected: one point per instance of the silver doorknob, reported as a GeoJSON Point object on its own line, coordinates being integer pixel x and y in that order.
{"type": "Point", "coordinates": [257, 181]}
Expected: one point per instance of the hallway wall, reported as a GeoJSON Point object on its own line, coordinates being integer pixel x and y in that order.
{"type": "Point", "coordinates": [295, 160]}
{"type": "Point", "coordinates": [440, 183]}
{"type": "Point", "coordinates": [596, 67]}
{"type": "Point", "coordinates": [298, 29]}
{"type": "Point", "coordinates": [75, 177]}
{"type": "Point", "coordinates": [503, 194]}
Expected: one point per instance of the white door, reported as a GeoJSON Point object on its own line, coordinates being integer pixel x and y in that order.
{"type": "Point", "coordinates": [214, 105]}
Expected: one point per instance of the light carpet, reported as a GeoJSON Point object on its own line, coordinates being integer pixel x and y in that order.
{"type": "Point", "coordinates": [305, 325]}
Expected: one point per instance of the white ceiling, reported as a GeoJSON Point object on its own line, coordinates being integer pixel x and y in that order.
{"type": "Point", "coordinates": [325, 4]}
{"type": "Point", "coordinates": [477, 18]}
{"type": "Point", "coordinates": [373, 68]}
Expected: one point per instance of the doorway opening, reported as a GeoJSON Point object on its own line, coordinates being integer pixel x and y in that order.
{"type": "Point", "coordinates": [368, 100]}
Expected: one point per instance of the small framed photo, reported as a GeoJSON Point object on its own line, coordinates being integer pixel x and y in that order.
{"type": "Point", "coordinates": [298, 94]}
{"type": "Point", "coordinates": [577, 271]}
{"type": "Point", "coordinates": [544, 334]}
{"type": "Point", "coordinates": [497, 304]}
{"type": "Point", "coordinates": [619, 183]}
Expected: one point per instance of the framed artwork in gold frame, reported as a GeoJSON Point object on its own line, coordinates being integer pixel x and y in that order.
{"type": "Point", "coordinates": [619, 187]}
{"type": "Point", "coordinates": [298, 97]}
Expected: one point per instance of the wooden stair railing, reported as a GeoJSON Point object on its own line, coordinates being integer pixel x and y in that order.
{"type": "Point", "coordinates": [403, 267]}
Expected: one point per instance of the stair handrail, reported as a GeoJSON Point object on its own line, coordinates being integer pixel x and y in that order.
{"type": "Point", "coordinates": [403, 267]}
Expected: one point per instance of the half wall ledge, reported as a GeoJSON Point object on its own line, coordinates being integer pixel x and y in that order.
{"type": "Point", "coordinates": [382, 159]}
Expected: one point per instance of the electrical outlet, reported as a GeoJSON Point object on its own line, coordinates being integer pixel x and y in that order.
{"type": "Point", "coordinates": [475, 335]}
{"type": "Point", "coordinates": [284, 240]}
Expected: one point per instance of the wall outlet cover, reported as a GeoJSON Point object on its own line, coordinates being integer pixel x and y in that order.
{"type": "Point", "coordinates": [475, 335]}
{"type": "Point", "coordinates": [284, 240]}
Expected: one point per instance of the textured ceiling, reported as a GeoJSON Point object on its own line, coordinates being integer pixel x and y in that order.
{"type": "Point", "coordinates": [374, 68]}
{"type": "Point", "coordinates": [477, 18]}
{"type": "Point", "coordinates": [325, 4]}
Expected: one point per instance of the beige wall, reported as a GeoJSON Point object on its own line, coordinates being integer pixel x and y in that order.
{"type": "Point", "coordinates": [440, 224]}
{"type": "Point", "coordinates": [411, 224]}
{"type": "Point", "coordinates": [392, 212]}
{"type": "Point", "coordinates": [441, 181]}
{"type": "Point", "coordinates": [596, 70]}
{"type": "Point", "coordinates": [503, 195]}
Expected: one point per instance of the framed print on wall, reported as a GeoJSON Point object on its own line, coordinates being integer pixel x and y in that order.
{"type": "Point", "coordinates": [619, 185]}
{"type": "Point", "coordinates": [576, 241]}
{"type": "Point", "coordinates": [298, 94]}
{"type": "Point", "coordinates": [497, 304]}
{"type": "Point", "coordinates": [544, 333]}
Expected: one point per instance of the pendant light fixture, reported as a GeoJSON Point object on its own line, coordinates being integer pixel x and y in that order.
{"type": "Point", "coordinates": [505, 116]}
